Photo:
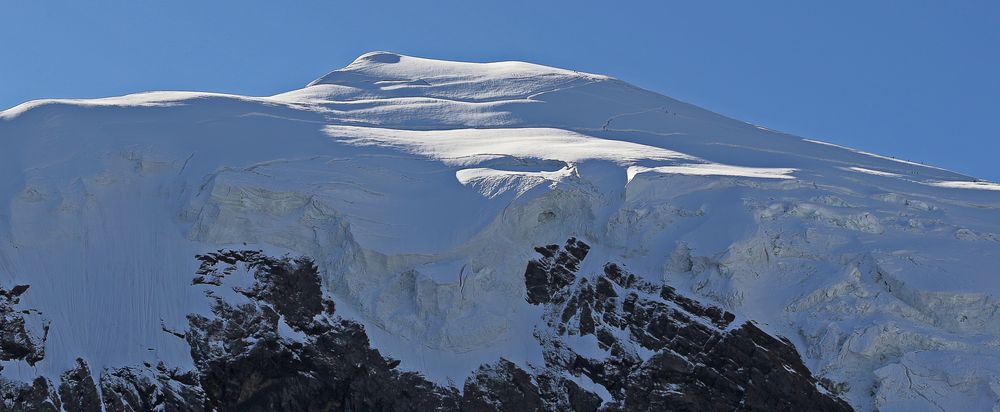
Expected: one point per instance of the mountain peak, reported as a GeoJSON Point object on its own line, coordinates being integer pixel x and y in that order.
{"type": "Point", "coordinates": [416, 193]}
{"type": "Point", "coordinates": [378, 56]}
{"type": "Point", "coordinates": [378, 66]}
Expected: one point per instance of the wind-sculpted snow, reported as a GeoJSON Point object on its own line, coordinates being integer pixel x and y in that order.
{"type": "Point", "coordinates": [474, 146]}
{"type": "Point", "coordinates": [421, 187]}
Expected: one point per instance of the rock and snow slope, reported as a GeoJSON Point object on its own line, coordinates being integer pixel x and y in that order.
{"type": "Point", "coordinates": [422, 187]}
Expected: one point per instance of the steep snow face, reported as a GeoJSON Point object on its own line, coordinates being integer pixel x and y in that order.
{"type": "Point", "coordinates": [422, 186]}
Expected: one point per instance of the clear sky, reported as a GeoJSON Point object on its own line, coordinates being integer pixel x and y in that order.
{"type": "Point", "coordinates": [914, 79]}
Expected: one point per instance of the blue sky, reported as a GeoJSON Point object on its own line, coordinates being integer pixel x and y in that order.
{"type": "Point", "coordinates": [918, 80]}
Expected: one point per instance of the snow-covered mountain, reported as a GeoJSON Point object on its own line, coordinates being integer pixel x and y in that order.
{"type": "Point", "coordinates": [426, 194]}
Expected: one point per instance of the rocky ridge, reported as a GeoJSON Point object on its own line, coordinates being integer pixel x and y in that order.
{"type": "Point", "coordinates": [273, 341]}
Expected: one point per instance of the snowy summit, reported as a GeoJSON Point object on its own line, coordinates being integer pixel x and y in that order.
{"type": "Point", "coordinates": [426, 193]}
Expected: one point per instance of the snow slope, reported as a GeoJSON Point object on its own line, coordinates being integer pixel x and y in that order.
{"type": "Point", "coordinates": [421, 187]}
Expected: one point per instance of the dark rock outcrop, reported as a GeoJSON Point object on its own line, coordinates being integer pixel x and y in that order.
{"type": "Point", "coordinates": [285, 349]}
{"type": "Point", "coordinates": [276, 344]}
{"type": "Point", "coordinates": [698, 360]}
{"type": "Point", "coordinates": [77, 390]}
{"type": "Point", "coordinates": [544, 277]}
{"type": "Point", "coordinates": [39, 395]}
{"type": "Point", "coordinates": [150, 388]}
{"type": "Point", "coordinates": [282, 348]}
{"type": "Point", "coordinates": [16, 343]}
{"type": "Point", "coordinates": [502, 386]}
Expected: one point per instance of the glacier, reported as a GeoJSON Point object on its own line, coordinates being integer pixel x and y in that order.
{"type": "Point", "coordinates": [421, 188]}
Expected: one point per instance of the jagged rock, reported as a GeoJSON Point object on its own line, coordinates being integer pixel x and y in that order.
{"type": "Point", "coordinates": [147, 389]}
{"type": "Point", "coordinates": [555, 270]}
{"type": "Point", "coordinates": [77, 390]}
{"type": "Point", "coordinates": [698, 362]}
{"type": "Point", "coordinates": [561, 394]}
{"type": "Point", "coordinates": [16, 343]}
{"type": "Point", "coordinates": [501, 387]}
{"type": "Point", "coordinates": [246, 363]}
{"type": "Point", "coordinates": [284, 348]}
{"type": "Point", "coordinates": [19, 396]}
{"type": "Point", "coordinates": [504, 386]}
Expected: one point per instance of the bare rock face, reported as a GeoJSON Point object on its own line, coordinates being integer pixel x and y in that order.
{"type": "Point", "coordinates": [18, 343]}
{"type": "Point", "coordinates": [15, 340]}
{"type": "Point", "coordinates": [664, 351]}
{"type": "Point", "coordinates": [502, 386]}
{"type": "Point", "coordinates": [544, 277]}
{"type": "Point", "coordinates": [285, 350]}
{"type": "Point", "coordinates": [278, 345]}
{"type": "Point", "coordinates": [150, 388]}
{"type": "Point", "coordinates": [78, 391]}
{"type": "Point", "coordinates": [39, 395]}
{"type": "Point", "coordinates": [282, 349]}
